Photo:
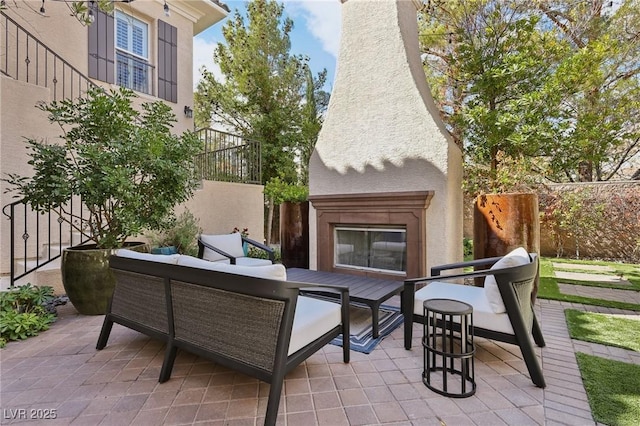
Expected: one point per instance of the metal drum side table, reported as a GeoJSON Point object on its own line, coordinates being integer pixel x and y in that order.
{"type": "Point", "coordinates": [447, 341]}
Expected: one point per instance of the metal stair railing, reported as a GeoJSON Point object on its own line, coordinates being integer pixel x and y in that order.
{"type": "Point", "coordinates": [27, 59]}
{"type": "Point", "coordinates": [49, 228]}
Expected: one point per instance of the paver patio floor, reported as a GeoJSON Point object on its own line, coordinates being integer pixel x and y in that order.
{"type": "Point", "coordinates": [61, 370]}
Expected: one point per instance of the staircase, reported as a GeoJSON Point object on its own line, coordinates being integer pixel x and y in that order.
{"type": "Point", "coordinates": [36, 240]}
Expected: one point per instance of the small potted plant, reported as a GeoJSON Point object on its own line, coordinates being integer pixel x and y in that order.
{"type": "Point", "coordinates": [125, 166]}
{"type": "Point", "coordinates": [180, 235]}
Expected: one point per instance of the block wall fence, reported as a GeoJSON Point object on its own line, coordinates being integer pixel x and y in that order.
{"type": "Point", "coordinates": [614, 235]}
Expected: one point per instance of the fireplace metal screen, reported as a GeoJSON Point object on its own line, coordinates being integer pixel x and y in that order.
{"type": "Point", "coordinates": [371, 248]}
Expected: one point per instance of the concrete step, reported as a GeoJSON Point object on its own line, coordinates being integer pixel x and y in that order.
{"type": "Point", "coordinates": [48, 275]}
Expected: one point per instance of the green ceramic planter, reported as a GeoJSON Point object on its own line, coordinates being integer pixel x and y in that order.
{"type": "Point", "coordinates": [87, 279]}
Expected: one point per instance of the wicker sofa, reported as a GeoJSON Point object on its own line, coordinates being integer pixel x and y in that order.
{"type": "Point", "coordinates": [258, 325]}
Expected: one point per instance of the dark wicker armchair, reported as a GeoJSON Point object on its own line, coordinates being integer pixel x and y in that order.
{"type": "Point", "coordinates": [516, 324]}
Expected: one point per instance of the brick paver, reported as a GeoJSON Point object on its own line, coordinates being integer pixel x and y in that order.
{"type": "Point", "coordinates": [61, 370]}
{"type": "Point", "coordinates": [630, 296]}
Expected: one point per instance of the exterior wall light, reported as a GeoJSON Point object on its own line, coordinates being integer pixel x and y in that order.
{"type": "Point", "coordinates": [188, 112]}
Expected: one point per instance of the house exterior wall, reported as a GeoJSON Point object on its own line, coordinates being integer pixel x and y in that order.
{"type": "Point", "coordinates": [68, 38]}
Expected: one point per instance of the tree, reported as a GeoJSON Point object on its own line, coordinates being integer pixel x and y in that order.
{"type": "Point", "coordinates": [555, 92]}
{"type": "Point", "coordinates": [596, 87]}
{"type": "Point", "coordinates": [125, 166]}
{"type": "Point", "coordinates": [487, 63]}
{"type": "Point", "coordinates": [313, 109]}
{"type": "Point", "coordinates": [266, 94]}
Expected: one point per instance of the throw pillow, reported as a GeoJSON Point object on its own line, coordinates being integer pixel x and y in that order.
{"type": "Point", "coordinates": [516, 257]}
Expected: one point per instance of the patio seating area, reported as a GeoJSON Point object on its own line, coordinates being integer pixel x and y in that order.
{"type": "Point", "coordinates": [61, 370]}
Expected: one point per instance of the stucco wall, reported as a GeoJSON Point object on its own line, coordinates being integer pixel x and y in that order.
{"type": "Point", "coordinates": [222, 206]}
{"type": "Point", "coordinates": [67, 37]}
{"type": "Point", "coordinates": [382, 132]}
{"type": "Point", "coordinates": [20, 120]}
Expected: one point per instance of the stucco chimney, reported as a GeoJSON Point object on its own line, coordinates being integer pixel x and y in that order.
{"type": "Point", "coordinates": [382, 133]}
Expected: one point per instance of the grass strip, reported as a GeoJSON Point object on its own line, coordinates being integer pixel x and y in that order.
{"type": "Point", "coordinates": [613, 389]}
{"type": "Point", "coordinates": [604, 329]}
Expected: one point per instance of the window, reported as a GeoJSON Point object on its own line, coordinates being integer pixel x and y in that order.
{"type": "Point", "coordinates": [119, 53]}
{"type": "Point", "coordinates": [370, 248]}
{"type": "Point", "coordinates": [132, 53]}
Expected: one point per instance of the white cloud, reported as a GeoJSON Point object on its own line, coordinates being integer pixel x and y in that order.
{"type": "Point", "coordinates": [203, 56]}
{"type": "Point", "coordinates": [323, 19]}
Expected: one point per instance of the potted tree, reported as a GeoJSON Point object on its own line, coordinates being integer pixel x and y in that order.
{"type": "Point", "coordinates": [125, 166]}
{"type": "Point", "coordinates": [294, 221]}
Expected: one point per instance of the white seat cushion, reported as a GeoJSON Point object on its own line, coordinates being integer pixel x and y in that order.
{"type": "Point", "coordinates": [270, 271]}
{"type": "Point", "coordinates": [228, 243]}
{"type": "Point", "coordinates": [313, 318]}
{"type": "Point", "coordinates": [162, 258]}
{"type": "Point", "coordinates": [517, 257]}
{"type": "Point", "coordinates": [251, 261]}
{"type": "Point", "coordinates": [483, 315]}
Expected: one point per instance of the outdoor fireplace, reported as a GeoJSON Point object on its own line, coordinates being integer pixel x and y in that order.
{"type": "Point", "coordinates": [379, 234]}
{"type": "Point", "coordinates": [384, 177]}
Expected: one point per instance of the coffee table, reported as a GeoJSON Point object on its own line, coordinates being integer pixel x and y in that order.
{"type": "Point", "coordinates": [370, 291]}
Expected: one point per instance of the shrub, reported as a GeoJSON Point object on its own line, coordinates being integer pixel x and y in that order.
{"type": "Point", "coordinates": [181, 232]}
{"type": "Point", "coordinates": [23, 312]}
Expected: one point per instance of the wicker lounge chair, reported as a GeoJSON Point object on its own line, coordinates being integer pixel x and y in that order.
{"type": "Point", "coordinates": [228, 248]}
{"type": "Point", "coordinates": [503, 312]}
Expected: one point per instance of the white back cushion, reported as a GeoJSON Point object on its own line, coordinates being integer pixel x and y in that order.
{"type": "Point", "coordinates": [516, 257]}
{"type": "Point", "coordinates": [272, 271]}
{"type": "Point", "coordinates": [228, 243]}
{"type": "Point", "coordinates": [162, 258]}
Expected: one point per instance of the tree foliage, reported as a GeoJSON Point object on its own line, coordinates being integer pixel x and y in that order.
{"type": "Point", "coordinates": [596, 87]}
{"type": "Point", "coordinates": [124, 164]}
{"type": "Point", "coordinates": [549, 86]}
{"type": "Point", "coordinates": [265, 90]}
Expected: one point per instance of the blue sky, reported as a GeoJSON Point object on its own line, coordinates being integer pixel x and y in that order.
{"type": "Point", "coordinates": [316, 34]}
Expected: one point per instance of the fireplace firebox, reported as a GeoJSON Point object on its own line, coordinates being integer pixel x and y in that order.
{"type": "Point", "coordinates": [377, 234]}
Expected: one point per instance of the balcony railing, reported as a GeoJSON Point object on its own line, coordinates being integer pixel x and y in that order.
{"type": "Point", "coordinates": [134, 73]}
{"type": "Point", "coordinates": [229, 158]}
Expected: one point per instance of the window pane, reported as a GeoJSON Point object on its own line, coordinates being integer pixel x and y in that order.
{"type": "Point", "coordinates": [138, 42]}
{"type": "Point", "coordinates": [122, 34]}
{"type": "Point", "coordinates": [132, 66]}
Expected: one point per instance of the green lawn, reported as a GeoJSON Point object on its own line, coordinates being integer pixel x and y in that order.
{"type": "Point", "coordinates": [604, 329]}
{"type": "Point", "coordinates": [548, 288]}
{"type": "Point", "coordinates": [613, 389]}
